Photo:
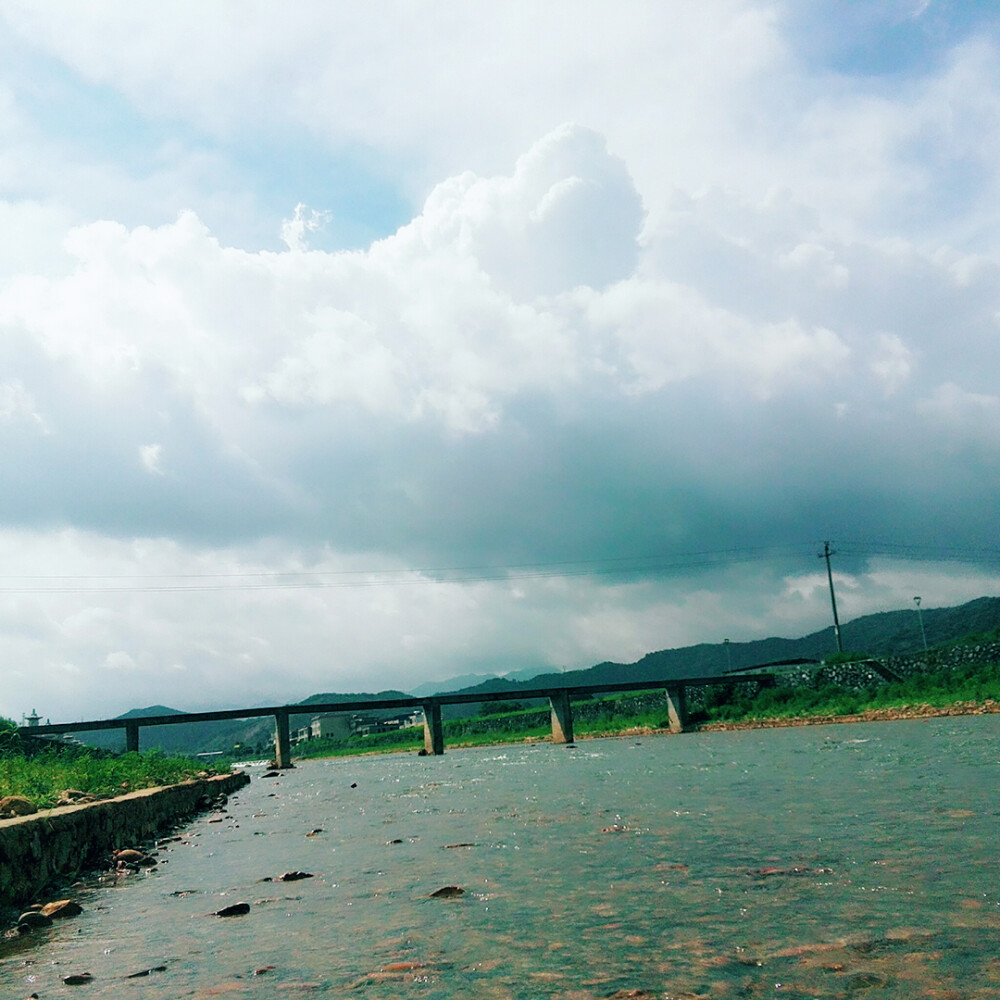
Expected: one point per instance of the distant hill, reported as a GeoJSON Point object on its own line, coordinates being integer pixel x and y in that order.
{"type": "Point", "coordinates": [147, 713]}
{"type": "Point", "coordinates": [470, 680]}
{"type": "Point", "coordinates": [452, 684]}
{"type": "Point", "coordinates": [185, 737]}
{"type": "Point", "coordinates": [883, 634]}
{"type": "Point", "coordinates": [212, 737]}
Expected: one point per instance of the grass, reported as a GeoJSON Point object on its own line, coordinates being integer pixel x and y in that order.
{"type": "Point", "coordinates": [41, 776]}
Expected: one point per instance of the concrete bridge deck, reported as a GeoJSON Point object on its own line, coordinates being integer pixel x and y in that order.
{"type": "Point", "coordinates": [559, 699]}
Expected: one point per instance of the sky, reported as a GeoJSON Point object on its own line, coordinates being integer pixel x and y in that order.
{"type": "Point", "coordinates": [347, 347]}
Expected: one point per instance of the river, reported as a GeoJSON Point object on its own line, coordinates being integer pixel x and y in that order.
{"type": "Point", "coordinates": [823, 861]}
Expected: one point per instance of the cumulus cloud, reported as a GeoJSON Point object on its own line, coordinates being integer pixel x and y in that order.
{"type": "Point", "coordinates": [253, 364]}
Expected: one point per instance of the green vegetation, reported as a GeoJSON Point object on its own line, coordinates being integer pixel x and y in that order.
{"type": "Point", "coordinates": [972, 683]}
{"type": "Point", "coordinates": [992, 635]}
{"type": "Point", "coordinates": [40, 772]}
{"type": "Point", "coordinates": [845, 657]}
{"type": "Point", "coordinates": [723, 703]}
{"type": "Point", "coordinates": [328, 746]}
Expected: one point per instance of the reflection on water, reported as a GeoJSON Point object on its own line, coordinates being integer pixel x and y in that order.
{"type": "Point", "coordinates": [833, 861]}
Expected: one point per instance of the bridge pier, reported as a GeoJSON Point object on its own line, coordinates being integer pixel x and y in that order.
{"type": "Point", "coordinates": [131, 737]}
{"type": "Point", "coordinates": [676, 708]}
{"type": "Point", "coordinates": [282, 741]}
{"type": "Point", "coordinates": [433, 730]}
{"type": "Point", "coordinates": [562, 717]}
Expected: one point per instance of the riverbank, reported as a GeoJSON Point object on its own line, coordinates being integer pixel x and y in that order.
{"type": "Point", "coordinates": [54, 846]}
{"type": "Point", "coordinates": [988, 707]}
{"type": "Point", "coordinates": [920, 711]}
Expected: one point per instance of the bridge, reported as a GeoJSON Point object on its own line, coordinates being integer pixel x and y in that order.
{"type": "Point", "coordinates": [559, 702]}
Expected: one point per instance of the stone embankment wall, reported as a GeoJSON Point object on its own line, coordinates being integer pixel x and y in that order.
{"type": "Point", "coordinates": [54, 845]}
{"type": "Point", "coordinates": [869, 673]}
{"type": "Point", "coordinates": [951, 656]}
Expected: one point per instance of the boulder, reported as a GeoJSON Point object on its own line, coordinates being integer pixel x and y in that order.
{"type": "Point", "coordinates": [16, 805]}
{"type": "Point", "coordinates": [130, 858]}
{"type": "Point", "coordinates": [294, 876]}
{"type": "Point", "coordinates": [448, 892]}
{"type": "Point", "coordinates": [33, 919]}
{"type": "Point", "coordinates": [80, 979]}
{"type": "Point", "coordinates": [233, 910]}
{"type": "Point", "coordinates": [147, 972]}
{"type": "Point", "coordinates": [61, 908]}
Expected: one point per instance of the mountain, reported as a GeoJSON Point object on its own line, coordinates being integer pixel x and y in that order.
{"type": "Point", "coordinates": [886, 633]}
{"type": "Point", "coordinates": [185, 737]}
{"type": "Point", "coordinates": [147, 713]}
{"type": "Point", "coordinates": [471, 680]}
{"type": "Point", "coordinates": [216, 737]}
{"type": "Point", "coordinates": [883, 634]}
{"type": "Point", "coordinates": [453, 684]}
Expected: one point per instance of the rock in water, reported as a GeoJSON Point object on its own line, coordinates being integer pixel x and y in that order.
{"type": "Point", "coordinates": [33, 919]}
{"type": "Point", "coordinates": [62, 908]}
{"type": "Point", "coordinates": [129, 856]}
{"type": "Point", "coordinates": [447, 892]}
{"type": "Point", "coordinates": [233, 910]}
{"type": "Point", "coordinates": [294, 876]}
{"type": "Point", "coordinates": [146, 972]}
{"type": "Point", "coordinates": [80, 979]}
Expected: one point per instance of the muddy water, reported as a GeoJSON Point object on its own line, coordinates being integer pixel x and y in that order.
{"type": "Point", "coordinates": [834, 861]}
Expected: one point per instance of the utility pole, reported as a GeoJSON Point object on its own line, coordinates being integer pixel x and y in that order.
{"type": "Point", "coordinates": [825, 554]}
{"type": "Point", "coordinates": [920, 615]}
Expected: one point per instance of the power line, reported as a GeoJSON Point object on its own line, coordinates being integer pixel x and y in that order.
{"type": "Point", "coordinates": [332, 579]}
{"type": "Point", "coordinates": [617, 566]}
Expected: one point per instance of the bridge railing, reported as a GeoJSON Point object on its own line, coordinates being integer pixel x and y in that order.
{"type": "Point", "coordinates": [559, 698]}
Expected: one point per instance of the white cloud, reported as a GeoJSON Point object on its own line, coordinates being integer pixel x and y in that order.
{"type": "Point", "coordinates": [820, 262]}
{"type": "Point", "coordinates": [294, 231]}
{"type": "Point", "coordinates": [119, 662]}
{"type": "Point", "coordinates": [973, 413]}
{"type": "Point", "coordinates": [892, 362]}
{"type": "Point", "coordinates": [483, 296]}
{"type": "Point", "coordinates": [151, 457]}
{"type": "Point", "coordinates": [17, 404]}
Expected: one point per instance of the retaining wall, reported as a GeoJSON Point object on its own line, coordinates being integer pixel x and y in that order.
{"type": "Point", "coordinates": [871, 673]}
{"type": "Point", "coordinates": [950, 656]}
{"type": "Point", "coordinates": [57, 844]}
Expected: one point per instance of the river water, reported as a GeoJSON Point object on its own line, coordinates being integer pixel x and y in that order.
{"type": "Point", "coordinates": [823, 861]}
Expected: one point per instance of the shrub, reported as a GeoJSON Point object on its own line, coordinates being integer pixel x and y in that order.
{"type": "Point", "coordinates": [10, 740]}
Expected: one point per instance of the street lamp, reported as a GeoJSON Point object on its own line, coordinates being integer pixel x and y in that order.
{"type": "Point", "coordinates": [920, 616]}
